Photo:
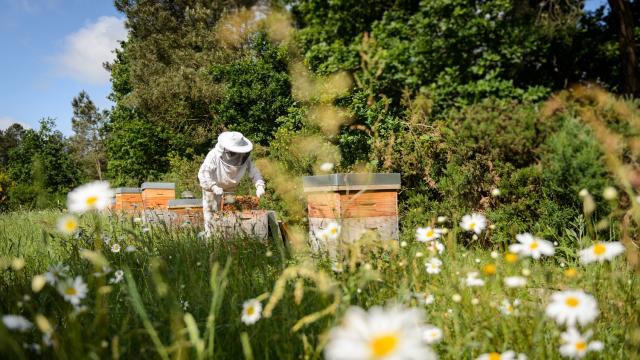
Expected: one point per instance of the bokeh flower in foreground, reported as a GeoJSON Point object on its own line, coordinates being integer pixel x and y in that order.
{"type": "Point", "coordinates": [73, 290]}
{"type": "Point", "coordinates": [92, 196]}
{"type": "Point", "coordinates": [68, 224]}
{"type": "Point", "coordinates": [427, 234]}
{"type": "Point", "coordinates": [251, 311]}
{"type": "Point", "coordinates": [433, 266]}
{"type": "Point", "coordinates": [474, 223]}
{"type": "Point", "coordinates": [528, 245]}
{"type": "Point", "coordinates": [380, 333]}
{"type": "Point", "coordinates": [572, 307]}
{"type": "Point", "coordinates": [601, 251]}
{"type": "Point", "coordinates": [16, 322]}
{"type": "Point", "coordinates": [576, 345]}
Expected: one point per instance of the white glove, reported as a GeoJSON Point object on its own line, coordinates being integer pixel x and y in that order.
{"type": "Point", "coordinates": [259, 191]}
{"type": "Point", "coordinates": [217, 190]}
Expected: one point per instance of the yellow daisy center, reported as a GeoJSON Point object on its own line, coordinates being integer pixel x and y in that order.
{"type": "Point", "coordinates": [334, 231]}
{"type": "Point", "coordinates": [250, 310]}
{"type": "Point", "coordinates": [533, 245]}
{"type": "Point", "coordinates": [510, 308]}
{"type": "Point", "coordinates": [571, 273]}
{"type": "Point", "coordinates": [71, 291]}
{"type": "Point", "coordinates": [472, 226]}
{"type": "Point", "coordinates": [494, 356]}
{"type": "Point", "coordinates": [429, 233]}
{"type": "Point", "coordinates": [599, 249]}
{"type": "Point", "coordinates": [91, 200]}
{"type": "Point", "coordinates": [511, 258]}
{"type": "Point", "coordinates": [572, 301]}
{"type": "Point", "coordinates": [70, 225]}
{"type": "Point", "coordinates": [489, 269]}
{"type": "Point", "coordinates": [581, 346]}
{"type": "Point", "coordinates": [383, 345]}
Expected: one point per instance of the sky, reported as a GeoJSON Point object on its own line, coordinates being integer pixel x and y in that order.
{"type": "Point", "coordinates": [53, 49]}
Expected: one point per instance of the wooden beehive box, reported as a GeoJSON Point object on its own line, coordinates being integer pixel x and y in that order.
{"type": "Point", "coordinates": [360, 203]}
{"type": "Point", "coordinates": [187, 211]}
{"type": "Point", "coordinates": [156, 195]}
{"type": "Point", "coordinates": [128, 199]}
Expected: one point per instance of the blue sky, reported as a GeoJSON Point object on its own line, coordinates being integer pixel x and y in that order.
{"type": "Point", "coordinates": [53, 49]}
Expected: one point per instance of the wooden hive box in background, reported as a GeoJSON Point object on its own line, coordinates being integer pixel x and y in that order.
{"type": "Point", "coordinates": [358, 202]}
{"type": "Point", "coordinates": [128, 199]}
{"type": "Point", "coordinates": [187, 211]}
{"type": "Point", "coordinates": [156, 195]}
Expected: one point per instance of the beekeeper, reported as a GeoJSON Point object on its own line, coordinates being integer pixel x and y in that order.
{"type": "Point", "coordinates": [222, 170]}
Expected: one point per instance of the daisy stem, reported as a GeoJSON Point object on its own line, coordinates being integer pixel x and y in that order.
{"type": "Point", "coordinates": [246, 346]}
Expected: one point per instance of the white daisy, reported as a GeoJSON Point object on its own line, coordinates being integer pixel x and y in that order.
{"type": "Point", "coordinates": [532, 246]}
{"type": "Point", "coordinates": [472, 279]}
{"type": "Point", "coordinates": [251, 311]}
{"type": "Point", "coordinates": [427, 234]}
{"type": "Point", "coordinates": [433, 266]}
{"type": "Point", "coordinates": [432, 334]}
{"type": "Point", "coordinates": [572, 306]}
{"type": "Point", "coordinates": [509, 308]}
{"type": "Point", "coordinates": [391, 333]}
{"type": "Point", "coordinates": [435, 246]}
{"type": "Point", "coordinates": [73, 290]}
{"type": "Point", "coordinates": [56, 272]}
{"type": "Point", "coordinates": [326, 167]}
{"type": "Point", "coordinates": [441, 219]}
{"type": "Point", "coordinates": [474, 223]}
{"type": "Point", "coordinates": [515, 281]}
{"type": "Point", "coordinates": [68, 224]}
{"type": "Point", "coordinates": [333, 230]}
{"type": "Point", "coordinates": [130, 248]}
{"type": "Point", "coordinates": [118, 275]}
{"type": "Point", "coordinates": [425, 299]}
{"type": "Point", "coordinates": [115, 248]}
{"type": "Point", "coordinates": [601, 251]}
{"type": "Point", "coordinates": [16, 322]}
{"type": "Point", "coordinates": [92, 196]}
{"type": "Point", "coordinates": [576, 345]}
{"type": "Point", "coordinates": [507, 355]}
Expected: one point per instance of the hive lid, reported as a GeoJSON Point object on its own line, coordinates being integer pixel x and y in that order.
{"type": "Point", "coordinates": [158, 185]}
{"type": "Point", "coordinates": [185, 202]}
{"type": "Point", "coordinates": [340, 182]}
{"type": "Point", "coordinates": [127, 190]}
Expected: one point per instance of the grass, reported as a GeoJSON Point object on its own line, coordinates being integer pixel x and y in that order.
{"type": "Point", "coordinates": [182, 296]}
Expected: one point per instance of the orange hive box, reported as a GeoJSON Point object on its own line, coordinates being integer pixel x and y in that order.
{"type": "Point", "coordinates": [187, 211]}
{"type": "Point", "coordinates": [360, 203]}
{"type": "Point", "coordinates": [128, 199]}
{"type": "Point", "coordinates": [156, 195]}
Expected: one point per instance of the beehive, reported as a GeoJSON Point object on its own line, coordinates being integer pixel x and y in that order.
{"type": "Point", "coordinates": [360, 203]}
{"type": "Point", "coordinates": [187, 211]}
{"type": "Point", "coordinates": [128, 199]}
{"type": "Point", "coordinates": [156, 195]}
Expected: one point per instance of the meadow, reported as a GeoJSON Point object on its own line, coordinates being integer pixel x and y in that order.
{"type": "Point", "coordinates": [159, 292]}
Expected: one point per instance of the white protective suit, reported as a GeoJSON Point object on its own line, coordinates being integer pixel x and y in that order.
{"type": "Point", "coordinates": [214, 172]}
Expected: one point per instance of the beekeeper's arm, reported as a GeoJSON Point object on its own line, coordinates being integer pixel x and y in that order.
{"type": "Point", "coordinates": [206, 174]}
{"type": "Point", "coordinates": [255, 175]}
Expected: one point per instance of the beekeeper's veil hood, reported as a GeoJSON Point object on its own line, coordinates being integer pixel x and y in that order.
{"type": "Point", "coordinates": [235, 148]}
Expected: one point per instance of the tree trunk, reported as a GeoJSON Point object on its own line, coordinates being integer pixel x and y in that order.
{"type": "Point", "coordinates": [627, 45]}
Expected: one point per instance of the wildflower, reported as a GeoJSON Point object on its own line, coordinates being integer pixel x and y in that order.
{"type": "Point", "coordinates": [403, 243]}
{"type": "Point", "coordinates": [18, 264]}
{"type": "Point", "coordinates": [73, 290]}
{"type": "Point", "coordinates": [576, 345]}
{"type": "Point", "coordinates": [532, 246]}
{"type": "Point", "coordinates": [507, 355]}
{"type": "Point", "coordinates": [572, 306]}
{"type": "Point", "coordinates": [456, 298]}
{"type": "Point", "coordinates": [118, 275]}
{"type": "Point", "coordinates": [475, 301]}
{"type": "Point", "coordinates": [68, 224]}
{"type": "Point", "coordinates": [115, 248]}
{"type": "Point", "coordinates": [610, 193]}
{"type": "Point", "coordinates": [474, 237]}
{"type": "Point", "coordinates": [432, 335]}
{"type": "Point", "coordinates": [326, 167]}
{"type": "Point", "coordinates": [433, 266]}
{"type": "Point", "coordinates": [495, 192]}
{"type": "Point", "coordinates": [419, 254]}
{"type": "Point", "coordinates": [472, 279]}
{"type": "Point", "coordinates": [251, 311]}
{"type": "Point", "coordinates": [43, 324]}
{"type": "Point", "coordinates": [601, 251]}
{"type": "Point", "coordinates": [511, 257]}
{"type": "Point", "coordinates": [333, 230]}
{"type": "Point", "coordinates": [391, 333]}
{"type": "Point", "coordinates": [16, 322]}
{"type": "Point", "coordinates": [269, 253]}
{"type": "Point", "coordinates": [494, 255]}
{"type": "Point", "coordinates": [507, 307]}
{"type": "Point", "coordinates": [436, 246]}
{"type": "Point", "coordinates": [474, 223]}
{"type": "Point", "coordinates": [92, 196]}
{"type": "Point", "coordinates": [55, 273]}
{"type": "Point", "coordinates": [37, 283]}
{"type": "Point", "coordinates": [571, 273]}
{"type": "Point", "coordinates": [427, 234]}
{"type": "Point", "coordinates": [441, 219]}
{"type": "Point", "coordinates": [526, 272]}
{"type": "Point", "coordinates": [489, 269]}
{"type": "Point", "coordinates": [583, 193]}
{"type": "Point", "coordinates": [426, 299]}
{"type": "Point", "coordinates": [515, 281]}
{"type": "Point", "coordinates": [130, 248]}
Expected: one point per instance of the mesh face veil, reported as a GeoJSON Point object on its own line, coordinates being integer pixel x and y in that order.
{"type": "Point", "coordinates": [234, 158]}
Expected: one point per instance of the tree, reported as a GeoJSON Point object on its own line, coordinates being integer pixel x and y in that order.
{"type": "Point", "coordinates": [9, 139]}
{"type": "Point", "coordinates": [87, 143]}
{"type": "Point", "coordinates": [627, 46]}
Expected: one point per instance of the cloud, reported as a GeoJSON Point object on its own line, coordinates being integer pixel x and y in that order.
{"type": "Point", "coordinates": [88, 48]}
{"type": "Point", "coordinates": [33, 6]}
{"type": "Point", "coordinates": [6, 121]}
